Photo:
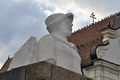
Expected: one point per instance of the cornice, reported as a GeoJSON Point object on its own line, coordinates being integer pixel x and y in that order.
{"type": "Point", "coordinates": [107, 64]}
{"type": "Point", "coordinates": [100, 51]}
{"type": "Point", "coordinates": [110, 32]}
{"type": "Point", "coordinates": [100, 64]}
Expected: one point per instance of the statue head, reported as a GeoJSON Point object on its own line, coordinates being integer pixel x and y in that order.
{"type": "Point", "coordinates": [61, 22]}
{"type": "Point", "coordinates": [64, 28]}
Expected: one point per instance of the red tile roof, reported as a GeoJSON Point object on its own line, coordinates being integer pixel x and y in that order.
{"type": "Point", "coordinates": [88, 37]}
{"type": "Point", "coordinates": [6, 65]}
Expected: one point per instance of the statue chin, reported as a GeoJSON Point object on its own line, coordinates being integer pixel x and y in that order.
{"type": "Point", "coordinates": [68, 34]}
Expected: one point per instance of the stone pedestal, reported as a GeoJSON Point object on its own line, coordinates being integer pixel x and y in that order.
{"type": "Point", "coordinates": [41, 71]}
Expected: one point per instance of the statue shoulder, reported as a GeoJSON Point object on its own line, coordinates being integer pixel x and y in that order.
{"type": "Point", "coordinates": [47, 38]}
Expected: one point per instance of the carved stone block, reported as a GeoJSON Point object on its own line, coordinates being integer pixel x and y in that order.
{"type": "Point", "coordinates": [59, 73]}
{"type": "Point", "coordinates": [41, 71]}
{"type": "Point", "coordinates": [1, 76]}
{"type": "Point", "coordinates": [18, 73]}
{"type": "Point", "coordinates": [75, 76]}
{"type": "Point", "coordinates": [7, 75]}
{"type": "Point", "coordinates": [38, 71]}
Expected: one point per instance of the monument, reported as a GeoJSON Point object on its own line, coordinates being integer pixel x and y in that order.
{"type": "Point", "coordinates": [53, 48]}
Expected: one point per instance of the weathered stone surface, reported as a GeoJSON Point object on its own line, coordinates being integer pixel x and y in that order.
{"type": "Point", "coordinates": [41, 71]}
{"type": "Point", "coordinates": [59, 73]}
{"type": "Point", "coordinates": [1, 76]}
{"type": "Point", "coordinates": [18, 73]}
{"type": "Point", "coordinates": [7, 75]}
{"type": "Point", "coordinates": [38, 71]}
{"type": "Point", "coordinates": [76, 76]}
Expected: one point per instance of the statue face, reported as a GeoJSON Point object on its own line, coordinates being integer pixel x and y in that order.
{"type": "Point", "coordinates": [65, 27]}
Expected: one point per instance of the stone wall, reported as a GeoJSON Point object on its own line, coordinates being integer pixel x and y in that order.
{"type": "Point", "coordinates": [41, 71]}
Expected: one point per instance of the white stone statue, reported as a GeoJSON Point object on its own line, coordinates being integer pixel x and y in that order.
{"type": "Point", "coordinates": [55, 48]}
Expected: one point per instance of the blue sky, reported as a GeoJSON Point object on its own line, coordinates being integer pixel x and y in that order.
{"type": "Point", "coordinates": [20, 19]}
